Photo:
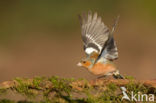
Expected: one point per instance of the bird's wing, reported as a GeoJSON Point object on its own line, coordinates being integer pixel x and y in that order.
{"type": "Point", "coordinates": [94, 33]}
{"type": "Point", "coordinates": [110, 51]}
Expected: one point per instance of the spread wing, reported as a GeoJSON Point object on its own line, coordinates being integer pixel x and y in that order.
{"type": "Point", "coordinates": [94, 33]}
{"type": "Point", "coordinates": [110, 51]}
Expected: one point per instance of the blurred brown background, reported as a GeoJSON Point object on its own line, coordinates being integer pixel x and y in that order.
{"type": "Point", "coordinates": [43, 38]}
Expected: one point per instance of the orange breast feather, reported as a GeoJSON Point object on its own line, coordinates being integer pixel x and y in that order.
{"type": "Point", "coordinates": [103, 69]}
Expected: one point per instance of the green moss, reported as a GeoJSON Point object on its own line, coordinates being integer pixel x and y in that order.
{"type": "Point", "coordinates": [37, 81]}
{"type": "Point", "coordinates": [11, 101]}
{"type": "Point", "coordinates": [60, 90]}
{"type": "Point", "coordinates": [136, 87]}
{"type": "Point", "coordinates": [129, 77]}
{"type": "Point", "coordinates": [60, 84]}
{"type": "Point", "coordinates": [6, 101]}
{"type": "Point", "coordinates": [110, 95]}
{"type": "Point", "coordinates": [106, 94]}
{"type": "Point", "coordinates": [23, 88]}
{"type": "Point", "coordinates": [3, 91]}
{"type": "Point", "coordinates": [112, 87]}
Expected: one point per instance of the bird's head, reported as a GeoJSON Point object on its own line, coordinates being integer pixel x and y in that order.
{"type": "Point", "coordinates": [86, 63]}
{"type": "Point", "coordinates": [89, 61]}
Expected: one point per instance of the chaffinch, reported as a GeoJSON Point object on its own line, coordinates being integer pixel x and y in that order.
{"type": "Point", "coordinates": [99, 46]}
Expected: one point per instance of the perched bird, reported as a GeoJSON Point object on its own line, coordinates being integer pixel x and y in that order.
{"type": "Point", "coordinates": [99, 46]}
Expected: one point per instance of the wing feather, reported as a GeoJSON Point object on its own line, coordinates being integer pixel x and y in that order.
{"type": "Point", "coordinates": [94, 32]}
{"type": "Point", "coordinates": [110, 50]}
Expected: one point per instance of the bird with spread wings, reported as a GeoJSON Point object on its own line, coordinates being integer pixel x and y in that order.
{"type": "Point", "coordinates": [99, 46]}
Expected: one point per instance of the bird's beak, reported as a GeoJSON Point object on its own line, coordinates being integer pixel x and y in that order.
{"type": "Point", "coordinates": [79, 64]}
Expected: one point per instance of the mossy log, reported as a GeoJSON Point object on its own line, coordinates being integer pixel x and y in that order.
{"type": "Point", "coordinates": [61, 90]}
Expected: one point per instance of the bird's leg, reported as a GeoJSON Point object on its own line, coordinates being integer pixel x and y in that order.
{"type": "Point", "coordinates": [117, 75]}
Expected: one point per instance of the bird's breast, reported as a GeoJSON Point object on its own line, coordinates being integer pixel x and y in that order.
{"type": "Point", "coordinates": [102, 69]}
